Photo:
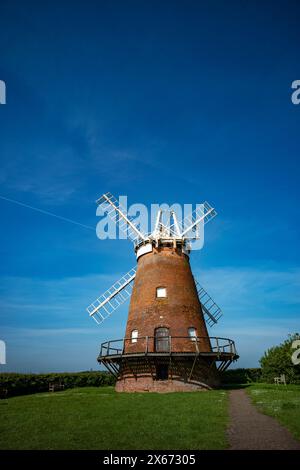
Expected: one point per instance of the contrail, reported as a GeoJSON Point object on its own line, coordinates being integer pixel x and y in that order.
{"type": "Point", "coordinates": [65, 219]}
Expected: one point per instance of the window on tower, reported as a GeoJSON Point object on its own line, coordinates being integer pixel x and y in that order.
{"type": "Point", "coordinates": [162, 339]}
{"type": "Point", "coordinates": [192, 333]}
{"type": "Point", "coordinates": [134, 336]}
{"type": "Point", "coordinates": [161, 292]}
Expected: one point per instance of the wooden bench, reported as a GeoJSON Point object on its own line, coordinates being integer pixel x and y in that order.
{"type": "Point", "coordinates": [280, 380]}
{"type": "Point", "coordinates": [56, 386]}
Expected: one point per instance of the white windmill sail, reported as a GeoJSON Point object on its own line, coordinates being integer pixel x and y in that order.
{"type": "Point", "coordinates": [115, 296]}
{"type": "Point", "coordinates": [211, 310]}
{"type": "Point", "coordinates": [174, 227]}
{"type": "Point", "coordinates": [168, 228]}
{"type": "Point", "coordinates": [117, 213]}
{"type": "Point", "coordinates": [204, 212]}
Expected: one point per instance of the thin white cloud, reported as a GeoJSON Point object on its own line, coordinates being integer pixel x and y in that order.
{"type": "Point", "coordinates": [47, 303]}
{"type": "Point", "coordinates": [247, 288]}
{"type": "Point", "coordinates": [30, 333]}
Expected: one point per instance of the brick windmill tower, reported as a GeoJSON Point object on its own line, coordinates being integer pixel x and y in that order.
{"type": "Point", "coordinates": [166, 345]}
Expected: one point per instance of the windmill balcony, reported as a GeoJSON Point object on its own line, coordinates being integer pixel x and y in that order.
{"type": "Point", "coordinates": [167, 363]}
{"type": "Point", "coordinates": [214, 347]}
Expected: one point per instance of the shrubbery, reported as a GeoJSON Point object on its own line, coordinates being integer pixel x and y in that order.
{"type": "Point", "coordinates": [275, 362]}
{"type": "Point", "coordinates": [23, 384]}
{"type": "Point", "coordinates": [241, 376]}
{"type": "Point", "coordinates": [278, 360]}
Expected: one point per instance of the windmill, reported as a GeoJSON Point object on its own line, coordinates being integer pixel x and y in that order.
{"type": "Point", "coordinates": [166, 345]}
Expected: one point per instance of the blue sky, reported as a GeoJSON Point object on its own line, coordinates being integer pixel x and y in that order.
{"type": "Point", "coordinates": [162, 102]}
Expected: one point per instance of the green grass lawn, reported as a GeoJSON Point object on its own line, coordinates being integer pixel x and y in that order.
{"type": "Point", "coordinates": [100, 418]}
{"type": "Point", "coordinates": [280, 401]}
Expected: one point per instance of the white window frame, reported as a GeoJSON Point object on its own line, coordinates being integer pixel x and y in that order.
{"type": "Point", "coordinates": [134, 336]}
{"type": "Point", "coordinates": [161, 292]}
{"type": "Point", "coordinates": [192, 336]}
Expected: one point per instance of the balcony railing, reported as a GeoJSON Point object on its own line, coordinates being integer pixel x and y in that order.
{"type": "Point", "coordinates": [168, 345]}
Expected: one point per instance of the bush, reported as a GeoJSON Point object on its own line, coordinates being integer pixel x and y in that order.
{"type": "Point", "coordinates": [23, 384]}
{"type": "Point", "coordinates": [277, 361]}
{"type": "Point", "coordinates": [241, 376]}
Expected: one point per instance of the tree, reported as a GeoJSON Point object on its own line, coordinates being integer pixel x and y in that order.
{"type": "Point", "coordinates": [278, 360]}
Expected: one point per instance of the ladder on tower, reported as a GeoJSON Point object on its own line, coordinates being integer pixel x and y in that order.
{"type": "Point", "coordinates": [115, 296]}
{"type": "Point", "coordinates": [210, 309]}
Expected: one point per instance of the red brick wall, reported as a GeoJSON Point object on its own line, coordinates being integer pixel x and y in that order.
{"type": "Point", "coordinates": [170, 268]}
{"type": "Point", "coordinates": [137, 373]}
{"type": "Point", "coordinates": [147, 384]}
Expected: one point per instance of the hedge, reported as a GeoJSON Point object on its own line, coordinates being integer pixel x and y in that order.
{"type": "Point", "coordinates": [23, 384]}
{"type": "Point", "coordinates": [241, 376]}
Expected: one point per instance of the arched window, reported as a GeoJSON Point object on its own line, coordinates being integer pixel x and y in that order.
{"type": "Point", "coordinates": [134, 336]}
{"type": "Point", "coordinates": [162, 343]}
{"type": "Point", "coordinates": [161, 292]}
{"type": "Point", "coordinates": [192, 333]}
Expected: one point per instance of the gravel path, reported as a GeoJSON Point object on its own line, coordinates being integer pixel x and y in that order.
{"type": "Point", "coordinates": [250, 429]}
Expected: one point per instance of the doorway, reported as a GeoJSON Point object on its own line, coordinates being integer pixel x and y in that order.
{"type": "Point", "coordinates": [162, 372]}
